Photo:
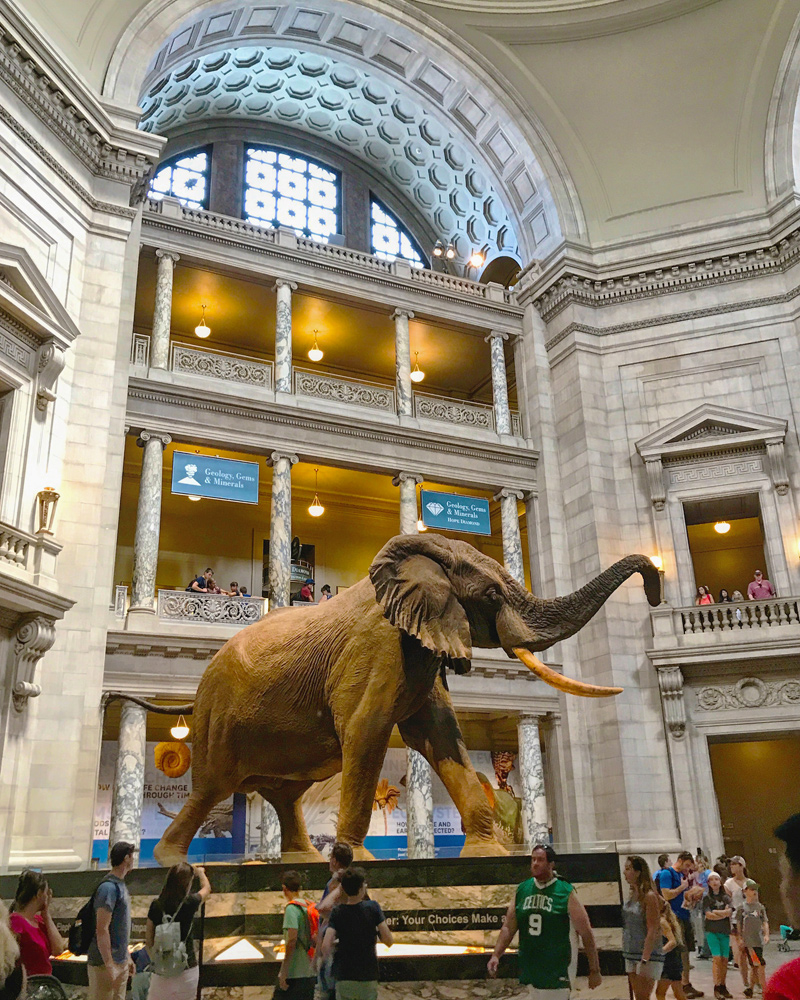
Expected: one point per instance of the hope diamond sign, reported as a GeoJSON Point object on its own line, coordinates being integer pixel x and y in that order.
{"type": "Point", "coordinates": [455, 512]}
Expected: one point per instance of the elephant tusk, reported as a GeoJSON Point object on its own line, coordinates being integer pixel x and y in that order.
{"type": "Point", "coordinates": [556, 680]}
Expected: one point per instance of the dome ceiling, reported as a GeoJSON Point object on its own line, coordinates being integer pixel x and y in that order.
{"type": "Point", "coordinates": [390, 132]}
{"type": "Point", "coordinates": [419, 118]}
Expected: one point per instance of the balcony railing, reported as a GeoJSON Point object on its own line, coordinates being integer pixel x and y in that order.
{"type": "Point", "coordinates": [15, 545]}
{"type": "Point", "coordinates": [322, 386]}
{"type": "Point", "coordinates": [356, 392]}
{"type": "Point", "coordinates": [209, 609]}
{"type": "Point", "coordinates": [742, 622]}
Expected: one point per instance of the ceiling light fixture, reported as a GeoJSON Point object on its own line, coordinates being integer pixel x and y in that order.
{"type": "Point", "coordinates": [315, 354]}
{"type": "Point", "coordinates": [202, 330]}
{"type": "Point", "coordinates": [316, 509]}
{"type": "Point", "coordinates": [438, 249]}
{"type": "Point", "coordinates": [192, 497]}
{"type": "Point", "coordinates": [181, 730]}
{"type": "Point", "coordinates": [722, 527]}
{"type": "Point", "coordinates": [417, 375]}
{"type": "Point", "coordinates": [478, 257]}
{"type": "Point", "coordinates": [450, 252]}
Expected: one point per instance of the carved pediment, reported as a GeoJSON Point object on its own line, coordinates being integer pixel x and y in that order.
{"type": "Point", "coordinates": [708, 430]}
{"type": "Point", "coordinates": [26, 297]}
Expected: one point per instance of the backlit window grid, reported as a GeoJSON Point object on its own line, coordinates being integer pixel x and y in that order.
{"type": "Point", "coordinates": [391, 239]}
{"type": "Point", "coordinates": [286, 190]}
{"type": "Point", "coordinates": [185, 178]}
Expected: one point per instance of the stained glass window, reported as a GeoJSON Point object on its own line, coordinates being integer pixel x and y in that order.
{"type": "Point", "coordinates": [281, 189]}
{"type": "Point", "coordinates": [184, 177]}
{"type": "Point", "coordinates": [391, 239]}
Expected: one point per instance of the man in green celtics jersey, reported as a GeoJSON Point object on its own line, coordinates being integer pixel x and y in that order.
{"type": "Point", "coordinates": [542, 911]}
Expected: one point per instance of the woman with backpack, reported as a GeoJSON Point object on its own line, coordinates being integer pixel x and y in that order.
{"type": "Point", "coordinates": [168, 936]}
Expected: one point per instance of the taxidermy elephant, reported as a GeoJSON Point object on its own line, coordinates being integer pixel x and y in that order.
{"type": "Point", "coordinates": [307, 692]}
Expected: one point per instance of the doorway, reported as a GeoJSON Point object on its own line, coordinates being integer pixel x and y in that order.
{"type": "Point", "coordinates": [754, 780]}
{"type": "Point", "coordinates": [726, 542]}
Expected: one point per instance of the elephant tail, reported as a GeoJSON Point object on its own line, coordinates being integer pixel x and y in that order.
{"type": "Point", "coordinates": [158, 709]}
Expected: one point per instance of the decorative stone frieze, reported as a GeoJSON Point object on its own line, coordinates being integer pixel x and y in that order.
{"type": "Point", "coordinates": [670, 681]}
{"type": "Point", "coordinates": [208, 609]}
{"type": "Point", "coordinates": [226, 368]}
{"type": "Point", "coordinates": [344, 390]}
{"type": "Point", "coordinates": [748, 692]}
{"type": "Point", "coordinates": [34, 635]}
{"type": "Point", "coordinates": [454, 411]}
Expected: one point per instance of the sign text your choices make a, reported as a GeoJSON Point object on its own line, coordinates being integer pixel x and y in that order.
{"type": "Point", "coordinates": [455, 512]}
{"type": "Point", "coordinates": [214, 478]}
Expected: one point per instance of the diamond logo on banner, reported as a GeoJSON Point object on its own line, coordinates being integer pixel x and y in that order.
{"type": "Point", "coordinates": [434, 508]}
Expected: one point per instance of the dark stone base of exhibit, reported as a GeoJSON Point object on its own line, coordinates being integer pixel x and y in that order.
{"type": "Point", "coordinates": [445, 915]}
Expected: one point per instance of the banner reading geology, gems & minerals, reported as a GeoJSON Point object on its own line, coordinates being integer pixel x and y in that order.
{"type": "Point", "coordinates": [214, 478]}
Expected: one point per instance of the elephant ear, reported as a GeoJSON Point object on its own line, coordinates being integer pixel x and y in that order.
{"type": "Point", "coordinates": [412, 583]}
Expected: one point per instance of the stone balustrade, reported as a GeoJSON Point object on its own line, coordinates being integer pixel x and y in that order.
{"type": "Point", "coordinates": [454, 411]}
{"type": "Point", "coordinates": [221, 366]}
{"type": "Point", "coordinates": [28, 557]}
{"type": "Point", "coordinates": [334, 388]}
{"type": "Point", "coordinates": [209, 609]}
{"type": "Point", "coordinates": [15, 545]}
{"type": "Point", "coordinates": [744, 621]}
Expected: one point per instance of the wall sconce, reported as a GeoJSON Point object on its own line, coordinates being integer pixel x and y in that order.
{"type": "Point", "coordinates": [658, 562]}
{"type": "Point", "coordinates": [48, 502]}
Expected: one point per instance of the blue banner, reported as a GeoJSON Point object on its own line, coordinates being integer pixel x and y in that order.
{"type": "Point", "coordinates": [455, 512]}
{"type": "Point", "coordinates": [214, 478]}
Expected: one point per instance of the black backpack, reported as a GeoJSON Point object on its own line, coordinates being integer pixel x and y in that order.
{"type": "Point", "coordinates": [84, 927]}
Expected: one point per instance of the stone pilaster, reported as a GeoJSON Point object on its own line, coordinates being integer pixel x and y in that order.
{"type": "Point", "coordinates": [162, 311]}
{"type": "Point", "coordinates": [283, 335]}
{"type": "Point", "coordinates": [280, 530]}
{"type": "Point", "coordinates": [502, 412]}
{"type": "Point", "coordinates": [512, 540]}
{"type": "Point", "coordinates": [128, 794]}
{"type": "Point", "coordinates": [270, 840]}
{"type": "Point", "coordinates": [419, 806]}
{"type": "Point", "coordinates": [402, 354]}
{"type": "Point", "coordinates": [148, 521]}
{"type": "Point", "coordinates": [407, 481]}
{"type": "Point", "coordinates": [531, 771]}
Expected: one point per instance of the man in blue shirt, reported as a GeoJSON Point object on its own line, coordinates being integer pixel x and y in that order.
{"type": "Point", "coordinates": [672, 883]}
{"type": "Point", "coordinates": [108, 957]}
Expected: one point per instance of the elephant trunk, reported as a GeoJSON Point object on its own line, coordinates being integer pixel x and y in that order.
{"type": "Point", "coordinates": [548, 622]}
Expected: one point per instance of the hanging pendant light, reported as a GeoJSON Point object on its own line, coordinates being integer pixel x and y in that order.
{"type": "Point", "coordinates": [315, 354]}
{"type": "Point", "coordinates": [417, 375]}
{"type": "Point", "coordinates": [181, 730]}
{"type": "Point", "coordinates": [202, 330]}
{"type": "Point", "coordinates": [316, 509]}
{"type": "Point", "coordinates": [722, 527]}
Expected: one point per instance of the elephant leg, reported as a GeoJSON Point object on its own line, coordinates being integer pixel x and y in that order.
{"type": "Point", "coordinates": [286, 798]}
{"type": "Point", "coordinates": [174, 844]}
{"type": "Point", "coordinates": [434, 732]}
{"type": "Point", "coordinates": [363, 753]}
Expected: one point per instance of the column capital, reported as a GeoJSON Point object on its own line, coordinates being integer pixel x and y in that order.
{"type": "Point", "coordinates": [145, 436]}
{"type": "Point", "coordinates": [284, 283]}
{"type": "Point", "coordinates": [404, 477]}
{"type": "Point", "coordinates": [403, 312]}
{"type": "Point", "coordinates": [495, 335]}
{"type": "Point", "coordinates": [529, 719]}
{"type": "Point", "coordinates": [508, 494]}
{"type": "Point", "coordinates": [276, 456]}
{"type": "Point", "coordinates": [168, 255]}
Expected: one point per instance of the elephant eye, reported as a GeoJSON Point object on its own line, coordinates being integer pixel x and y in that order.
{"type": "Point", "coordinates": [492, 594]}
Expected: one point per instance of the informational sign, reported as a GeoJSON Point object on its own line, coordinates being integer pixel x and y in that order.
{"type": "Point", "coordinates": [455, 512]}
{"type": "Point", "coordinates": [214, 478]}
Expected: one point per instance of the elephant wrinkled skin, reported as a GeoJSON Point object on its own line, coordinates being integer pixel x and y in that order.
{"type": "Point", "coordinates": [307, 692]}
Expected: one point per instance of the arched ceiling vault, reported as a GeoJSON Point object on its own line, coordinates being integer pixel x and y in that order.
{"type": "Point", "coordinates": [374, 120]}
{"type": "Point", "coordinates": [409, 108]}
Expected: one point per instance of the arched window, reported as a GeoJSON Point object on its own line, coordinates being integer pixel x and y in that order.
{"type": "Point", "coordinates": [391, 239]}
{"type": "Point", "coordinates": [184, 177]}
{"type": "Point", "coordinates": [281, 189]}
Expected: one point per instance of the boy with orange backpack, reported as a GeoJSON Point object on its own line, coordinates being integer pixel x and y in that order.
{"type": "Point", "coordinates": [296, 978]}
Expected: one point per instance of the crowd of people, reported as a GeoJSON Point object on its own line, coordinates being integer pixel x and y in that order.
{"type": "Point", "coordinates": [205, 583]}
{"type": "Point", "coordinates": [758, 589]}
{"type": "Point", "coordinates": [330, 947]}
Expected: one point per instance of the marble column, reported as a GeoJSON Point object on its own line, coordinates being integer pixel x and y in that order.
{"type": "Point", "coordinates": [283, 335]}
{"type": "Point", "coordinates": [270, 841]}
{"type": "Point", "coordinates": [502, 413]}
{"type": "Point", "coordinates": [402, 355]}
{"type": "Point", "coordinates": [407, 481]}
{"type": "Point", "coordinates": [162, 311]}
{"type": "Point", "coordinates": [280, 530]}
{"type": "Point", "coordinates": [128, 794]}
{"type": "Point", "coordinates": [419, 806]}
{"type": "Point", "coordinates": [148, 521]}
{"type": "Point", "coordinates": [531, 771]}
{"type": "Point", "coordinates": [512, 540]}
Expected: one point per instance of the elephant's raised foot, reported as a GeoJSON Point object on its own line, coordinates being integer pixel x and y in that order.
{"type": "Point", "coordinates": [475, 847]}
{"type": "Point", "coordinates": [167, 854]}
